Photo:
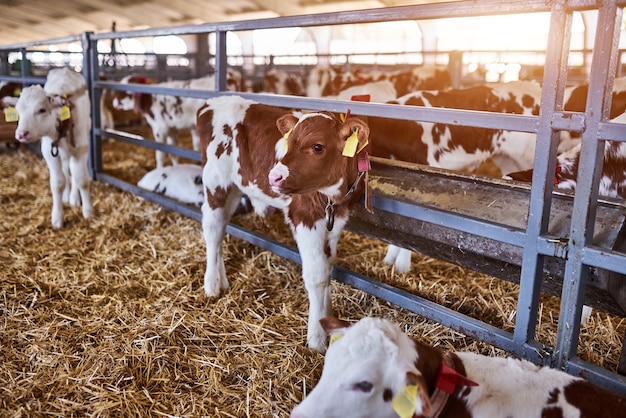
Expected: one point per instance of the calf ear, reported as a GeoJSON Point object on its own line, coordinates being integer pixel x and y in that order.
{"type": "Point", "coordinates": [423, 403]}
{"type": "Point", "coordinates": [331, 324]}
{"type": "Point", "coordinates": [350, 125]}
{"type": "Point", "coordinates": [285, 123]}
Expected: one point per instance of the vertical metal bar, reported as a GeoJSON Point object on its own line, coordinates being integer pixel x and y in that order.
{"type": "Point", "coordinates": [90, 73]}
{"type": "Point", "coordinates": [557, 52]}
{"type": "Point", "coordinates": [220, 61]}
{"type": "Point", "coordinates": [589, 171]}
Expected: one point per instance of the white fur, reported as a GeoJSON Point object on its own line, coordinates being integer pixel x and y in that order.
{"type": "Point", "coordinates": [39, 114]}
{"type": "Point", "coordinates": [182, 182]}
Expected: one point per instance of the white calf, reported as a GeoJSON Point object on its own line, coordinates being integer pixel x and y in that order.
{"type": "Point", "coordinates": [59, 115]}
{"type": "Point", "coordinates": [373, 369]}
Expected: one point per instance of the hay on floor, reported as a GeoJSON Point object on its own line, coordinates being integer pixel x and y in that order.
{"type": "Point", "coordinates": [107, 317]}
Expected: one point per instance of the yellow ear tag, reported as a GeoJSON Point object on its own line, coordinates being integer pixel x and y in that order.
{"type": "Point", "coordinates": [65, 113]}
{"type": "Point", "coordinates": [10, 114]}
{"type": "Point", "coordinates": [405, 402]}
{"type": "Point", "coordinates": [334, 337]}
{"type": "Point", "coordinates": [342, 117]}
{"type": "Point", "coordinates": [349, 150]}
{"type": "Point", "coordinates": [285, 143]}
{"type": "Point", "coordinates": [17, 92]}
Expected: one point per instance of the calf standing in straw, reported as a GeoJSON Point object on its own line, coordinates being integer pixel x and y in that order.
{"type": "Point", "coordinates": [59, 115]}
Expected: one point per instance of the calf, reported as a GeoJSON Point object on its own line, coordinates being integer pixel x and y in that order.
{"type": "Point", "coordinates": [59, 115]}
{"type": "Point", "coordinates": [167, 114]}
{"type": "Point", "coordinates": [457, 147]}
{"type": "Point", "coordinates": [373, 369]}
{"type": "Point", "coordinates": [283, 82]}
{"type": "Point", "coordinates": [182, 182]}
{"type": "Point", "coordinates": [289, 163]}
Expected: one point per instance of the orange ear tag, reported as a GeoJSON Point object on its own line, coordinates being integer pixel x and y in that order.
{"type": "Point", "coordinates": [349, 150]}
{"type": "Point", "coordinates": [65, 113]}
{"type": "Point", "coordinates": [10, 114]}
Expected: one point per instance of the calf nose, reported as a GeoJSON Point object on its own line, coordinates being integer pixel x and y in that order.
{"type": "Point", "coordinates": [22, 136]}
{"type": "Point", "coordinates": [275, 178]}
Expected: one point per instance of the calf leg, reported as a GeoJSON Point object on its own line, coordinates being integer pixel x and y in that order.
{"type": "Point", "coordinates": [195, 139]}
{"type": "Point", "coordinates": [58, 181]}
{"type": "Point", "coordinates": [81, 181]}
{"type": "Point", "coordinates": [399, 257]}
{"type": "Point", "coordinates": [317, 249]}
{"type": "Point", "coordinates": [172, 139]}
{"type": "Point", "coordinates": [217, 209]}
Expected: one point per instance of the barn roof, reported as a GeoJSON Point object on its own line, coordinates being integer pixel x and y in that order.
{"type": "Point", "coordinates": [32, 20]}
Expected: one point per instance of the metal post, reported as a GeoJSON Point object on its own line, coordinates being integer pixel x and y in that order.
{"type": "Point", "coordinates": [589, 171]}
{"type": "Point", "coordinates": [544, 164]}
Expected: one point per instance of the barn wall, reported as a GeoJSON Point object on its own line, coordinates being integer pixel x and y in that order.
{"type": "Point", "coordinates": [534, 242]}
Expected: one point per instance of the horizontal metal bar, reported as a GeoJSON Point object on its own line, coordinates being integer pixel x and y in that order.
{"type": "Point", "coordinates": [411, 12]}
{"type": "Point", "coordinates": [604, 259]}
{"type": "Point", "coordinates": [186, 210]}
{"type": "Point", "coordinates": [612, 131]}
{"type": "Point", "coordinates": [464, 223]}
{"type": "Point", "coordinates": [148, 143]}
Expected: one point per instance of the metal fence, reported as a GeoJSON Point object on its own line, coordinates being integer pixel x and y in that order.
{"type": "Point", "coordinates": [576, 247]}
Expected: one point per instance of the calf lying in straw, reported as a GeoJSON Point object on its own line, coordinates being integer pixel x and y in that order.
{"type": "Point", "coordinates": [372, 369]}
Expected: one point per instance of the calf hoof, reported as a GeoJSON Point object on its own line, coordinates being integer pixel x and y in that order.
{"type": "Point", "coordinates": [317, 341]}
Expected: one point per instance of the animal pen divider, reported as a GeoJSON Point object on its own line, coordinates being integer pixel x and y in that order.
{"type": "Point", "coordinates": [527, 234]}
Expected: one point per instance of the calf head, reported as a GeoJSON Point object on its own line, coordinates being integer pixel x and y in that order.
{"type": "Point", "coordinates": [310, 154]}
{"type": "Point", "coordinates": [368, 368]}
{"type": "Point", "coordinates": [39, 114]}
{"type": "Point", "coordinates": [126, 100]}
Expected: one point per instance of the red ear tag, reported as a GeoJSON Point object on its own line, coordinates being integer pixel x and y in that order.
{"type": "Point", "coordinates": [345, 118]}
{"type": "Point", "coordinates": [449, 379]}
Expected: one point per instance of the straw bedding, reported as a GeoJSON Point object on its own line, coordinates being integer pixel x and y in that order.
{"type": "Point", "coordinates": [107, 317]}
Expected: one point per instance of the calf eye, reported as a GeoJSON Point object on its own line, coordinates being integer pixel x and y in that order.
{"type": "Point", "coordinates": [364, 386]}
{"type": "Point", "coordinates": [42, 110]}
{"type": "Point", "coordinates": [318, 148]}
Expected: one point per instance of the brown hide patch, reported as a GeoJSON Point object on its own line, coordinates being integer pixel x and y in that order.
{"type": "Point", "coordinates": [256, 139]}
{"type": "Point", "coordinates": [429, 360]}
{"type": "Point", "coordinates": [397, 138]}
{"type": "Point", "coordinates": [217, 199]}
{"type": "Point", "coordinates": [204, 116]}
{"type": "Point", "coordinates": [593, 401]}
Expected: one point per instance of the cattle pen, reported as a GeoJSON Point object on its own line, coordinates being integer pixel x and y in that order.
{"type": "Point", "coordinates": [531, 235]}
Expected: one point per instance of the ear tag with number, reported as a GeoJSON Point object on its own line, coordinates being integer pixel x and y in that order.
{"type": "Point", "coordinates": [65, 113]}
{"type": "Point", "coordinates": [349, 150]}
{"type": "Point", "coordinates": [405, 402]}
{"type": "Point", "coordinates": [11, 115]}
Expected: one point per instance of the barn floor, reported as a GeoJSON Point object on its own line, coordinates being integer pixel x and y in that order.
{"type": "Point", "coordinates": [107, 317]}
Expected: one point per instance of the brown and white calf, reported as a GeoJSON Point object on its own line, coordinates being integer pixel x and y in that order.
{"type": "Point", "coordinates": [168, 114]}
{"type": "Point", "coordinates": [293, 164]}
{"type": "Point", "coordinates": [59, 115]}
{"type": "Point", "coordinates": [457, 147]}
{"type": "Point", "coordinates": [373, 369]}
